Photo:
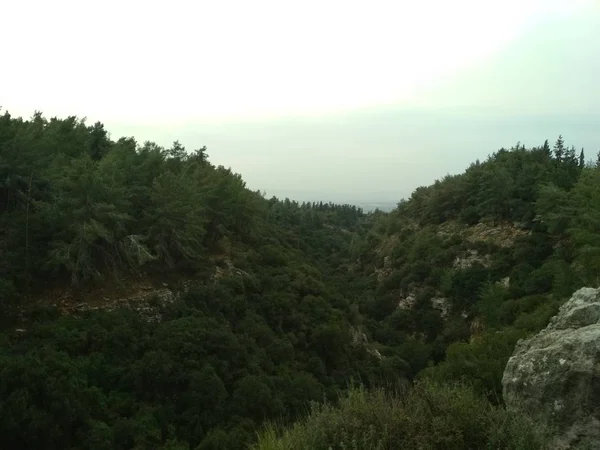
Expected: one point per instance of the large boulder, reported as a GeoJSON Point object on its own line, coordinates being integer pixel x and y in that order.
{"type": "Point", "coordinates": [554, 377]}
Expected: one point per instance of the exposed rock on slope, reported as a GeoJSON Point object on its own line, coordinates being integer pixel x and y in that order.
{"type": "Point", "coordinates": [142, 294]}
{"type": "Point", "coordinates": [501, 235]}
{"type": "Point", "coordinates": [146, 303]}
{"type": "Point", "coordinates": [471, 258]}
{"type": "Point", "coordinates": [359, 339]}
{"type": "Point", "coordinates": [554, 377]}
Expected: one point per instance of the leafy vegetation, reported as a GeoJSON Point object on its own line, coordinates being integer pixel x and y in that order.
{"type": "Point", "coordinates": [429, 416]}
{"type": "Point", "coordinates": [277, 304]}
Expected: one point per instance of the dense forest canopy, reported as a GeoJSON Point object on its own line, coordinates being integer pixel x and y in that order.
{"type": "Point", "coordinates": [276, 303]}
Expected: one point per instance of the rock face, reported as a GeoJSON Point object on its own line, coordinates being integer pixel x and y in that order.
{"type": "Point", "coordinates": [148, 304]}
{"type": "Point", "coordinates": [554, 377]}
{"type": "Point", "coordinates": [359, 339]}
{"type": "Point", "coordinates": [471, 258]}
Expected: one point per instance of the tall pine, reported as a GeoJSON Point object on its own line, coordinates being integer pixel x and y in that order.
{"type": "Point", "coordinates": [559, 148]}
{"type": "Point", "coordinates": [546, 149]}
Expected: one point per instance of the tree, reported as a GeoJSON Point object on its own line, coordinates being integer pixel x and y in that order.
{"type": "Point", "coordinates": [176, 220]}
{"type": "Point", "coordinates": [571, 157]}
{"type": "Point", "coordinates": [559, 149]}
{"type": "Point", "coordinates": [89, 214]}
{"type": "Point", "coordinates": [546, 149]}
{"type": "Point", "coordinates": [99, 143]}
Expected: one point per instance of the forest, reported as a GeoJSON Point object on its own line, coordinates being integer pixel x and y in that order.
{"type": "Point", "coordinates": [292, 325]}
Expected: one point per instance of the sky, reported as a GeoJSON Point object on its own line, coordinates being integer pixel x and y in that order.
{"type": "Point", "coordinates": [345, 101]}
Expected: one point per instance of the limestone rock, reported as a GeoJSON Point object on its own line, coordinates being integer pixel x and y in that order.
{"type": "Point", "coordinates": [407, 302]}
{"type": "Point", "coordinates": [503, 235]}
{"type": "Point", "coordinates": [442, 304]}
{"type": "Point", "coordinates": [471, 258]}
{"type": "Point", "coordinates": [554, 377]}
{"type": "Point", "coordinates": [359, 339]}
{"type": "Point", "coordinates": [438, 302]}
{"type": "Point", "coordinates": [504, 282]}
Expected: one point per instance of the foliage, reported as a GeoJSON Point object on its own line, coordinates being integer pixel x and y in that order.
{"type": "Point", "coordinates": [430, 416]}
{"type": "Point", "coordinates": [284, 302]}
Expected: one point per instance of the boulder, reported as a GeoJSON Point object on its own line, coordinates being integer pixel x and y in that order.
{"type": "Point", "coordinates": [554, 377]}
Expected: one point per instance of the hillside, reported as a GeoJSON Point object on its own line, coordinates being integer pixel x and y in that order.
{"type": "Point", "coordinates": [456, 276]}
{"type": "Point", "coordinates": [239, 323]}
{"type": "Point", "coordinates": [150, 300]}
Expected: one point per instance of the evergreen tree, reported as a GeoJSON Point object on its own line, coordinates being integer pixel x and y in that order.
{"type": "Point", "coordinates": [99, 143]}
{"type": "Point", "coordinates": [546, 149]}
{"type": "Point", "coordinates": [582, 159]}
{"type": "Point", "coordinates": [571, 157]}
{"type": "Point", "coordinates": [559, 148]}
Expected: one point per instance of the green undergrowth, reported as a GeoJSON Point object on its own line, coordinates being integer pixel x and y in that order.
{"type": "Point", "coordinates": [428, 416]}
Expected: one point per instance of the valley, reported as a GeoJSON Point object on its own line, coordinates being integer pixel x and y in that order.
{"type": "Point", "coordinates": [151, 301]}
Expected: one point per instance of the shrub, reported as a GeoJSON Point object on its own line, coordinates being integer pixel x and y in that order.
{"type": "Point", "coordinates": [480, 362]}
{"type": "Point", "coordinates": [429, 416]}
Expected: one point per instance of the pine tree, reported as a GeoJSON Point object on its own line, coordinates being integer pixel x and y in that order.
{"type": "Point", "coordinates": [582, 159]}
{"type": "Point", "coordinates": [559, 148]}
{"type": "Point", "coordinates": [571, 157]}
{"type": "Point", "coordinates": [98, 141]}
{"type": "Point", "coordinates": [546, 149]}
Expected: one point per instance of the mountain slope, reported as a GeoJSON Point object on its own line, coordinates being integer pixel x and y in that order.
{"type": "Point", "coordinates": [251, 331]}
{"type": "Point", "coordinates": [457, 275]}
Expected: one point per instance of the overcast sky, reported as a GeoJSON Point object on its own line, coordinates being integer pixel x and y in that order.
{"type": "Point", "coordinates": [349, 101]}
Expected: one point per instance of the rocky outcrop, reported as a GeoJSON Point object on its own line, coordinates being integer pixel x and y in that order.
{"type": "Point", "coordinates": [439, 303]}
{"type": "Point", "coordinates": [359, 339]}
{"type": "Point", "coordinates": [471, 258]}
{"type": "Point", "coordinates": [148, 303]}
{"type": "Point", "coordinates": [554, 377]}
{"type": "Point", "coordinates": [504, 282]}
{"type": "Point", "coordinates": [407, 302]}
{"type": "Point", "coordinates": [225, 268]}
{"type": "Point", "coordinates": [143, 294]}
{"type": "Point", "coordinates": [502, 235]}
{"type": "Point", "coordinates": [442, 304]}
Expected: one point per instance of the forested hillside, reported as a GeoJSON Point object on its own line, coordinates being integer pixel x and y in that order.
{"type": "Point", "coordinates": [279, 309]}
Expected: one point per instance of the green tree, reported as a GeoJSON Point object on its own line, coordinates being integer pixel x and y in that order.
{"type": "Point", "coordinates": [559, 149]}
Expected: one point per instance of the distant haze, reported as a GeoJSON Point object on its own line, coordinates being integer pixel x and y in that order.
{"type": "Point", "coordinates": [357, 102]}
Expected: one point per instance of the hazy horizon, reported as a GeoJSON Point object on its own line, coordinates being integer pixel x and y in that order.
{"type": "Point", "coordinates": [360, 103]}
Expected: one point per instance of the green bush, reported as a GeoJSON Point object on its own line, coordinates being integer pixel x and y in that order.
{"type": "Point", "coordinates": [429, 416]}
{"type": "Point", "coordinates": [480, 362]}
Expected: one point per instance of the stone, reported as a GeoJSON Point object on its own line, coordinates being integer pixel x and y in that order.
{"type": "Point", "coordinates": [407, 302]}
{"type": "Point", "coordinates": [443, 305]}
{"type": "Point", "coordinates": [504, 282]}
{"type": "Point", "coordinates": [470, 259]}
{"type": "Point", "coordinates": [554, 376]}
{"type": "Point", "coordinates": [359, 339]}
